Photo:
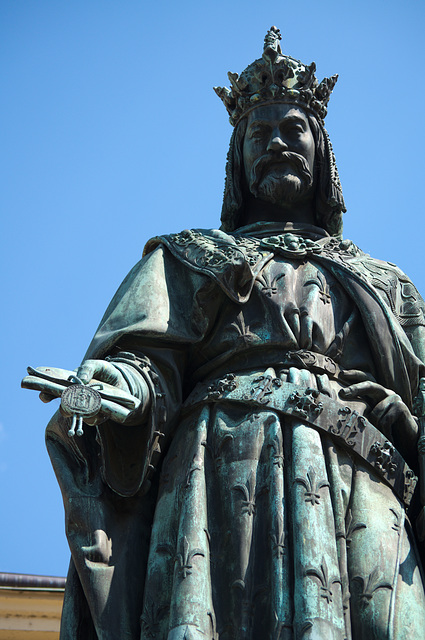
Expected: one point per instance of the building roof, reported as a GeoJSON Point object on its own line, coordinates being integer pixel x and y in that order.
{"type": "Point", "coordinates": [30, 606]}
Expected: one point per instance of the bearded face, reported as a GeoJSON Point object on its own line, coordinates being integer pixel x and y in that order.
{"type": "Point", "coordinates": [278, 154]}
{"type": "Point", "coordinates": [280, 181]}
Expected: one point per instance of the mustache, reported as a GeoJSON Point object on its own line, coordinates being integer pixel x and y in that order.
{"type": "Point", "coordinates": [298, 162]}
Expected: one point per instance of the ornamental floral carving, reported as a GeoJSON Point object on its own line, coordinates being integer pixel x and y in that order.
{"type": "Point", "coordinates": [305, 404]}
{"type": "Point", "coordinates": [312, 486]}
{"type": "Point", "coordinates": [369, 585]}
{"type": "Point", "coordinates": [322, 575]}
{"type": "Point", "coordinates": [384, 453]}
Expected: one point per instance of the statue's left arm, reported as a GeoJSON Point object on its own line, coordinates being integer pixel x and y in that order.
{"type": "Point", "coordinates": [390, 413]}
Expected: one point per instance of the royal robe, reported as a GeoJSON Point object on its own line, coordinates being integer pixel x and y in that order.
{"type": "Point", "coordinates": [252, 502]}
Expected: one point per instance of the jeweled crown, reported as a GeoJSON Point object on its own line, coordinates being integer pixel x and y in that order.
{"type": "Point", "coordinates": [275, 78]}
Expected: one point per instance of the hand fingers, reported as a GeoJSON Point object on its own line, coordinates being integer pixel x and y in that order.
{"type": "Point", "coordinates": [367, 388]}
{"type": "Point", "coordinates": [93, 421]}
{"type": "Point", "coordinates": [46, 397]}
{"type": "Point", "coordinates": [103, 371]}
{"type": "Point", "coordinates": [100, 417]}
{"type": "Point", "coordinates": [88, 370]}
{"type": "Point", "coordinates": [391, 408]}
{"type": "Point", "coordinates": [354, 375]}
{"type": "Point", "coordinates": [383, 416]}
{"type": "Point", "coordinates": [392, 413]}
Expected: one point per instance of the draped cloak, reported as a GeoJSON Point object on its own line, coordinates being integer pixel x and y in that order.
{"type": "Point", "coordinates": [253, 502]}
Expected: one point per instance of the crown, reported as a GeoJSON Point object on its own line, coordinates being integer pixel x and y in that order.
{"type": "Point", "coordinates": [275, 78]}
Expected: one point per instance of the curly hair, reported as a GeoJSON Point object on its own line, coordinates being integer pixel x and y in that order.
{"type": "Point", "coordinates": [329, 200]}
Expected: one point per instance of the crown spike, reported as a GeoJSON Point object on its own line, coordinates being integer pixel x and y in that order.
{"type": "Point", "coordinates": [271, 42]}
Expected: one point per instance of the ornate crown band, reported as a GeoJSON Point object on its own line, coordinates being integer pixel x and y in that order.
{"type": "Point", "coordinates": [275, 78]}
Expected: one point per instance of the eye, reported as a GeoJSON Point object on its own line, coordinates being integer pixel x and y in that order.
{"type": "Point", "coordinates": [294, 129]}
{"type": "Point", "coordinates": [256, 134]}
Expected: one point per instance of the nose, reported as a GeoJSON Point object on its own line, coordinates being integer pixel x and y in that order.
{"type": "Point", "coordinates": [276, 144]}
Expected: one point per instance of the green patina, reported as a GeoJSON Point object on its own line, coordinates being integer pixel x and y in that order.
{"type": "Point", "coordinates": [251, 473]}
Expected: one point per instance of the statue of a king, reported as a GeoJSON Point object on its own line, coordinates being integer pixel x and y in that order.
{"type": "Point", "coordinates": [263, 484]}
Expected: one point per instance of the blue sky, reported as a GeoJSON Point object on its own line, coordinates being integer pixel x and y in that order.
{"type": "Point", "coordinates": [111, 133]}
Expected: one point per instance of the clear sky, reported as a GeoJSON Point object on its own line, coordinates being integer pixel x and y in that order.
{"type": "Point", "coordinates": [111, 133]}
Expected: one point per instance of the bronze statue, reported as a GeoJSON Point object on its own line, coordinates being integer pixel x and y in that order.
{"type": "Point", "coordinates": [251, 471]}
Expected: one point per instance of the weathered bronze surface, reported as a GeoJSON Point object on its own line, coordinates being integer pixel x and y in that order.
{"type": "Point", "coordinates": [262, 481]}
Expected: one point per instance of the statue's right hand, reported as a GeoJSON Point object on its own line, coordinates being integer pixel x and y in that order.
{"type": "Point", "coordinates": [102, 371]}
{"type": "Point", "coordinates": [119, 402]}
{"type": "Point", "coordinates": [125, 396]}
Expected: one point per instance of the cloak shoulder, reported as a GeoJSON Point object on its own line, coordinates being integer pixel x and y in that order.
{"type": "Point", "coordinates": [159, 302]}
{"type": "Point", "coordinates": [232, 262]}
{"type": "Point", "coordinates": [396, 289]}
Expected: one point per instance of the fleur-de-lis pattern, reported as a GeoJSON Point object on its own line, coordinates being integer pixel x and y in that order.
{"type": "Point", "coordinates": [184, 558]}
{"type": "Point", "coordinates": [151, 617]}
{"type": "Point", "coordinates": [312, 486]}
{"type": "Point", "coordinates": [278, 541]}
{"type": "Point", "coordinates": [267, 284]}
{"type": "Point", "coordinates": [324, 288]}
{"type": "Point", "coordinates": [326, 516]}
{"type": "Point", "coordinates": [250, 558]}
{"type": "Point", "coordinates": [248, 492]}
{"type": "Point", "coordinates": [215, 450]}
{"type": "Point", "coordinates": [351, 527]}
{"type": "Point", "coordinates": [243, 332]}
{"type": "Point", "coordinates": [277, 452]}
{"type": "Point", "coordinates": [370, 584]}
{"type": "Point", "coordinates": [322, 576]}
{"type": "Point", "coordinates": [309, 537]}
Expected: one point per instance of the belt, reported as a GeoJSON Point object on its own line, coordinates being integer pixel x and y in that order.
{"type": "Point", "coordinates": [350, 429]}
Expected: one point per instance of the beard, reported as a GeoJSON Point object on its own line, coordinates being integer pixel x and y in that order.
{"type": "Point", "coordinates": [280, 181]}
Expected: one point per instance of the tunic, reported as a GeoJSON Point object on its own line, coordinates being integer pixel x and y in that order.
{"type": "Point", "coordinates": [255, 503]}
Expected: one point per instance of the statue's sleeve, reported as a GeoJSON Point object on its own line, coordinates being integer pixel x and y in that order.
{"type": "Point", "coordinates": [403, 299]}
{"type": "Point", "coordinates": [159, 314]}
{"type": "Point", "coordinates": [411, 314]}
